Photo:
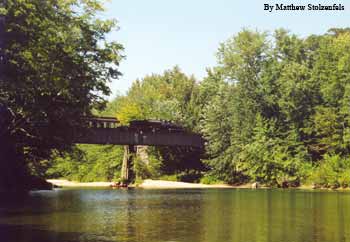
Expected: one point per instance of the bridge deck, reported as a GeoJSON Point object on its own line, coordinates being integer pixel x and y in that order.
{"type": "Point", "coordinates": [127, 136]}
{"type": "Point", "coordinates": [105, 130]}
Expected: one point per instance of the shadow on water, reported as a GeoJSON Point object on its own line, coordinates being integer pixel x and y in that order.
{"type": "Point", "coordinates": [30, 233]}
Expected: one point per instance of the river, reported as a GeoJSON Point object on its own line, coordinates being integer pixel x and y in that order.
{"type": "Point", "coordinates": [193, 215]}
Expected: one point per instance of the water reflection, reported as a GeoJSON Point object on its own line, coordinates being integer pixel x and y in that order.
{"type": "Point", "coordinates": [177, 215]}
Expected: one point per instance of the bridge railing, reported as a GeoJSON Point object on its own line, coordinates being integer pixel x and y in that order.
{"type": "Point", "coordinates": [138, 125]}
{"type": "Point", "coordinates": [102, 122]}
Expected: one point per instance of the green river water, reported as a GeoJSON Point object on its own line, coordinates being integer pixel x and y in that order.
{"type": "Point", "coordinates": [203, 215]}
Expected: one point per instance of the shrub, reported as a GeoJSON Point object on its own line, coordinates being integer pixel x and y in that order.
{"type": "Point", "coordinates": [210, 179]}
{"type": "Point", "coordinates": [333, 172]}
{"type": "Point", "coordinates": [189, 176]}
{"type": "Point", "coordinates": [169, 177]}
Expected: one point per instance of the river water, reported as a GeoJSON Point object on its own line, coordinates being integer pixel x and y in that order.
{"type": "Point", "coordinates": [203, 215]}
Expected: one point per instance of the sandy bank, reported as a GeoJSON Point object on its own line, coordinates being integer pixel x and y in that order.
{"type": "Point", "coordinates": [66, 183]}
{"type": "Point", "coordinates": [147, 184]}
{"type": "Point", "coordinates": [155, 184]}
{"type": "Point", "coordinates": [160, 184]}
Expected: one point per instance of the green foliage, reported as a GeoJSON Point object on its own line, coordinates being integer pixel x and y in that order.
{"type": "Point", "coordinates": [141, 169]}
{"type": "Point", "coordinates": [271, 111]}
{"type": "Point", "coordinates": [56, 65]}
{"type": "Point", "coordinates": [193, 176]}
{"type": "Point", "coordinates": [275, 105]}
{"type": "Point", "coordinates": [210, 179]}
{"type": "Point", "coordinates": [271, 160]}
{"type": "Point", "coordinates": [190, 176]}
{"type": "Point", "coordinates": [168, 96]}
{"type": "Point", "coordinates": [88, 163]}
{"type": "Point", "coordinates": [169, 177]}
{"type": "Point", "coordinates": [150, 170]}
{"type": "Point", "coordinates": [171, 96]}
{"type": "Point", "coordinates": [275, 109]}
{"type": "Point", "coordinates": [333, 172]}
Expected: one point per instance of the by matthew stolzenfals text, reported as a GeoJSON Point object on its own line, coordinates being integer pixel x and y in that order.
{"type": "Point", "coordinates": [308, 7]}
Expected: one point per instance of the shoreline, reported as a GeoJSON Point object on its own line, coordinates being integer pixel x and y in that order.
{"type": "Point", "coordinates": [146, 184]}
{"type": "Point", "coordinates": [162, 184]}
{"type": "Point", "coordinates": [67, 183]}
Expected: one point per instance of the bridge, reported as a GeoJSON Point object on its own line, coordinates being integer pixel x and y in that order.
{"type": "Point", "coordinates": [107, 130]}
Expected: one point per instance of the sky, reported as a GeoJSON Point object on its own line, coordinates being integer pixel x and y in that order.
{"type": "Point", "coordinates": [159, 34]}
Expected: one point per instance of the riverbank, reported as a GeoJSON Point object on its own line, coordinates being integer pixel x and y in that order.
{"type": "Point", "coordinates": [159, 184]}
{"type": "Point", "coordinates": [162, 184]}
{"type": "Point", "coordinates": [146, 184]}
{"type": "Point", "coordinates": [66, 183]}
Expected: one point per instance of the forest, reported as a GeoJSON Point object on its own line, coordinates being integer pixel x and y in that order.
{"type": "Point", "coordinates": [275, 109]}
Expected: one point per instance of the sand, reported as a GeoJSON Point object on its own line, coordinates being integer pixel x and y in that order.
{"type": "Point", "coordinates": [155, 184]}
{"type": "Point", "coordinates": [66, 183]}
{"type": "Point", "coordinates": [147, 184]}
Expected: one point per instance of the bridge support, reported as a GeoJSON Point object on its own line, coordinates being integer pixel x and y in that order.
{"type": "Point", "coordinates": [141, 152]}
{"type": "Point", "coordinates": [126, 165]}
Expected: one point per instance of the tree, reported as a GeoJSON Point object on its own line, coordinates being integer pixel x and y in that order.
{"type": "Point", "coordinates": [267, 83]}
{"type": "Point", "coordinates": [167, 96]}
{"type": "Point", "coordinates": [171, 96]}
{"type": "Point", "coordinates": [57, 64]}
{"type": "Point", "coordinates": [289, 105]}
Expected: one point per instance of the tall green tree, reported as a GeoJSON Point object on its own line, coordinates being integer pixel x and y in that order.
{"type": "Point", "coordinates": [171, 96]}
{"type": "Point", "coordinates": [167, 96]}
{"type": "Point", "coordinates": [57, 64]}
